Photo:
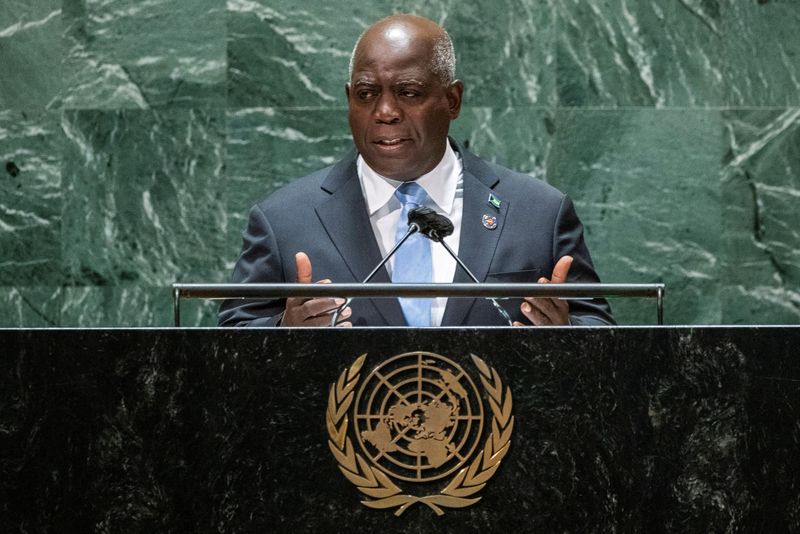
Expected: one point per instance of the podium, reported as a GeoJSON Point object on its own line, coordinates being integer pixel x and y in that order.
{"type": "Point", "coordinates": [632, 429]}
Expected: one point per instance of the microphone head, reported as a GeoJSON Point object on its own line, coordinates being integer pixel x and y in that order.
{"type": "Point", "coordinates": [430, 223]}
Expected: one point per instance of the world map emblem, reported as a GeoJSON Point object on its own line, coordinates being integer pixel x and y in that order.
{"type": "Point", "coordinates": [419, 419]}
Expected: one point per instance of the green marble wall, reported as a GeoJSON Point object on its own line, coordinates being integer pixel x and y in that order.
{"type": "Point", "coordinates": [134, 136]}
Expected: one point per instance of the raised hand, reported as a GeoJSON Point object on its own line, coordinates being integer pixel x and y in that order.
{"type": "Point", "coordinates": [547, 311]}
{"type": "Point", "coordinates": [307, 311]}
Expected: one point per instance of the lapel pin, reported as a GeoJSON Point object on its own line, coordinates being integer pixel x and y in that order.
{"type": "Point", "coordinates": [490, 222]}
{"type": "Point", "coordinates": [494, 201]}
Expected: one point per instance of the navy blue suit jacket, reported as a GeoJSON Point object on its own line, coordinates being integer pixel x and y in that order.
{"type": "Point", "coordinates": [324, 214]}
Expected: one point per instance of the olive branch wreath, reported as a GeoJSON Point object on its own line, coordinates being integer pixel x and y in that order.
{"type": "Point", "coordinates": [374, 483]}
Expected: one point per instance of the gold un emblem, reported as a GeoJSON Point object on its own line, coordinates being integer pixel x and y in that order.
{"type": "Point", "coordinates": [418, 418]}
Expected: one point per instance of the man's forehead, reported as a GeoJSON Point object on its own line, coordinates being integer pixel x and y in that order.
{"type": "Point", "coordinates": [393, 71]}
{"type": "Point", "coordinates": [375, 63]}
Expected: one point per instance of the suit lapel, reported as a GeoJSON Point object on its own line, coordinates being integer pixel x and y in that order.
{"type": "Point", "coordinates": [478, 243]}
{"type": "Point", "coordinates": [344, 217]}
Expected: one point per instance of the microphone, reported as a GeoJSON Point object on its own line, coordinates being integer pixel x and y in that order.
{"type": "Point", "coordinates": [435, 227]}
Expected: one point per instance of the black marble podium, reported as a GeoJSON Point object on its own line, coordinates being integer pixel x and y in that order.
{"type": "Point", "coordinates": [205, 430]}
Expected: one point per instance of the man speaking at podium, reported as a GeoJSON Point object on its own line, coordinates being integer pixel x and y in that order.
{"type": "Point", "coordinates": [335, 224]}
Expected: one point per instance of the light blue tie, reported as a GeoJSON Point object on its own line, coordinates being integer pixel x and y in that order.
{"type": "Point", "coordinates": [412, 261]}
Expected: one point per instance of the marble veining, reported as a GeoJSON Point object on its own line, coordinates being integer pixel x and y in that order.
{"type": "Point", "coordinates": [644, 221]}
{"type": "Point", "coordinates": [30, 54]}
{"type": "Point", "coordinates": [30, 198]}
{"type": "Point", "coordinates": [131, 54]}
{"type": "Point", "coordinates": [158, 217]}
{"type": "Point", "coordinates": [761, 181]}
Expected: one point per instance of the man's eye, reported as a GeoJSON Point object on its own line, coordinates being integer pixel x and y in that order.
{"type": "Point", "coordinates": [409, 94]}
{"type": "Point", "coordinates": [366, 95]}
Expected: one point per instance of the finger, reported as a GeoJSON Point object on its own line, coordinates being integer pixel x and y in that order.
{"type": "Point", "coordinates": [303, 265]}
{"type": "Point", "coordinates": [517, 323]}
{"type": "Point", "coordinates": [320, 306]}
{"type": "Point", "coordinates": [561, 270]}
{"type": "Point", "coordinates": [344, 316]}
{"type": "Point", "coordinates": [323, 319]}
{"type": "Point", "coordinates": [546, 311]}
{"type": "Point", "coordinates": [551, 311]}
{"type": "Point", "coordinates": [533, 314]}
{"type": "Point", "coordinates": [556, 310]}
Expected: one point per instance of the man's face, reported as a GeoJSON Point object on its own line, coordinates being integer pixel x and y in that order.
{"type": "Point", "coordinates": [399, 110]}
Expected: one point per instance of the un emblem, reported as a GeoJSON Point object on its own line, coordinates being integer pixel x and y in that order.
{"type": "Point", "coordinates": [418, 418]}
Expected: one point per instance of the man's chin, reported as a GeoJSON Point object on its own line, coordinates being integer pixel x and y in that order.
{"type": "Point", "coordinates": [395, 167]}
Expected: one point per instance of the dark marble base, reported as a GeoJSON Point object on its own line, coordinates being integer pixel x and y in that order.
{"type": "Point", "coordinates": [626, 430]}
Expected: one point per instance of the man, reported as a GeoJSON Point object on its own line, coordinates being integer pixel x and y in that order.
{"type": "Point", "coordinates": [402, 96]}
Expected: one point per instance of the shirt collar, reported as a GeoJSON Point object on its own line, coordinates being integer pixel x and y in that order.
{"type": "Point", "coordinates": [440, 183]}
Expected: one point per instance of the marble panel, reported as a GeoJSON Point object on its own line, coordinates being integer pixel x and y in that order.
{"type": "Point", "coordinates": [144, 201]}
{"type": "Point", "coordinates": [519, 138]}
{"type": "Point", "coordinates": [30, 306]}
{"type": "Point", "coordinates": [761, 216]}
{"type": "Point", "coordinates": [140, 54]}
{"type": "Point", "coordinates": [267, 148]}
{"type": "Point", "coordinates": [674, 54]}
{"type": "Point", "coordinates": [505, 49]}
{"type": "Point", "coordinates": [646, 185]}
{"type": "Point", "coordinates": [634, 53]}
{"type": "Point", "coordinates": [30, 198]}
{"type": "Point", "coordinates": [288, 54]}
{"type": "Point", "coordinates": [30, 53]}
{"type": "Point", "coordinates": [760, 60]}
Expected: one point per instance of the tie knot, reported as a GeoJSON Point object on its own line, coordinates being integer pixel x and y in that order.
{"type": "Point", "coordinates": [411, 194]}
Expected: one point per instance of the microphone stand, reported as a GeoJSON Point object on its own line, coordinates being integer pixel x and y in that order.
{"type": "Point", "coordinates": [434, 236]}
{"type": "Point", "coordinates": [412, 229]}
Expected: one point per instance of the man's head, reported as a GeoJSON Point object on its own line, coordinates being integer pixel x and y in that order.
{"type": "Point", "coordinates": [402, 95]}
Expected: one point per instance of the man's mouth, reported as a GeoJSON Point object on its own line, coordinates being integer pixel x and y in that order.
{"type": "Point", "coordinates": [389, 143]}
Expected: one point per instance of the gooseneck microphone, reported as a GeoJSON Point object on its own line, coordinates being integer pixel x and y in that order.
{"type": "Point", "coordinates": [435, 227]}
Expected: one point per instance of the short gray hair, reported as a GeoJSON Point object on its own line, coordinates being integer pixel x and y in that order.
{"type": "Point", "coordinates": [443, 63]}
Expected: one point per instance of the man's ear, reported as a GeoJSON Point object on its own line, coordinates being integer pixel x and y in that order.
{"type": "Point", "coordinates": [454, 93]}
{"type": "Point", "coordinates": [347, 91]}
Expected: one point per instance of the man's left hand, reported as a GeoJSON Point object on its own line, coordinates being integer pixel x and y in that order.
{"type": "Point", "coordinates": [547, 311]}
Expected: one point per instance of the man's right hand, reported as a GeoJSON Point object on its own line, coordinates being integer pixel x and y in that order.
{"type": "Point", "coordinates": [303, 311]}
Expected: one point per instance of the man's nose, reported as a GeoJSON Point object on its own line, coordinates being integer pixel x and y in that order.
{"type": "Point", "coordinates": [387, 109]}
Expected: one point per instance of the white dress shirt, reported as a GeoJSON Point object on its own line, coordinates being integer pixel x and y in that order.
{"type": "Point", "coordinates": [444, 185]}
